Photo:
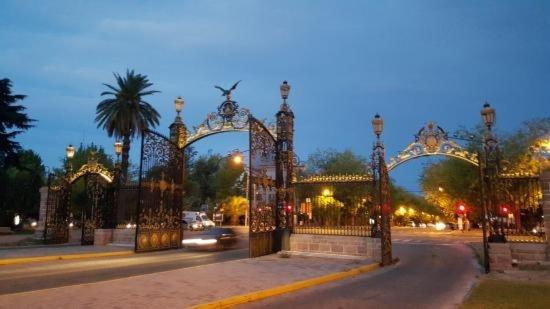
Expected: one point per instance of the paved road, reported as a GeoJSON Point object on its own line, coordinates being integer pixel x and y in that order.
{"type": "Point", "coordinates": [35, 276]}
{"type": "Point", "coordinates": [436, 271]}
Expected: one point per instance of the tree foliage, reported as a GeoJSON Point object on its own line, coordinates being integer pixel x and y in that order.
{"type": "Point", "coordinates": [125, 114]}
{"type": "Point", "coordinates": [330, 161]}
{"type": "Point", "coordinates": [212, 179]}
{"type": "Point", "coordinates": [460, 180]}
{"type": "Point", "coordinates": [19, 193]}
{"type": "Point", "coordinates": [13, 121]}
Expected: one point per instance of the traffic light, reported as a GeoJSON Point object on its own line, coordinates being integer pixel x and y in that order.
{"type": "Point", "coordinates": [504, 210]}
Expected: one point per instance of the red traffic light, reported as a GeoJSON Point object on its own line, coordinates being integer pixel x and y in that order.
{"type": "Point", "coordinates": [461, 208]}
{"type": "Point", "coordinates": [504, 209]}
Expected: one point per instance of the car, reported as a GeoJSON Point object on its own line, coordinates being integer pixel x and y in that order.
{"type": "Point", "coordinates": [191, 225]}
{"type": "Point", "coordinates": [451, 226]}
{"type": "Point", "coordinates": [200, 217]}
{"type": "Point", "coordinates": [215, 238]}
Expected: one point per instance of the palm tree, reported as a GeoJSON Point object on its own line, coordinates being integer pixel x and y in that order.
{"type": "Point", "coordinates": [125, 114]}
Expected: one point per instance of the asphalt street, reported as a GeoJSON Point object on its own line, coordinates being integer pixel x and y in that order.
{"type": "Point", "coordinates": [436, 270]}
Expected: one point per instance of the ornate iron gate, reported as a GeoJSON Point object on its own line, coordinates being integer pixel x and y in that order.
{"type": "Point", "coordinates": [96, 209]}
{"type": "Point", "coordinates": [160, 194]}
{"type": "Point", "coordinates": [56, 225]}
{"type": "Point", "coordinates": [263, 190]}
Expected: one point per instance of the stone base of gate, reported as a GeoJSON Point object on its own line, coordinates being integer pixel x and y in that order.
{"type": "Point", "coordinates": [502, 256]}
{"type": "Point", "coordinates": [75, 235]}
{"type": "Point", "coordinates": [365, 247]}
{"type": "Point", "coordinates": [103, 237]}
{"type": "Point", "coordinates": [124, 236]}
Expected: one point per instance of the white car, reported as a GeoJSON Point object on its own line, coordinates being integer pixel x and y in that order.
{"type": "Point", "coordinates": [199, 217]}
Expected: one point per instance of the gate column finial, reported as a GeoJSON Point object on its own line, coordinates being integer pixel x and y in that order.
{"type": "Point", "coordinates": [178, 131]}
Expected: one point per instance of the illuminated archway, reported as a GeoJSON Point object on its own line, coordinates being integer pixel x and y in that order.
{"type": "Point", "coordinates": [92, 167]}
{"type": "Point", "coordinates": [432, 140]}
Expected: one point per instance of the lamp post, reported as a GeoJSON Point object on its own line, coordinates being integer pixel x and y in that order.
{"type": "Point", "coordinates": [490, 172]}
{"type": "Point", "coordinates": [381, 179]}
{"type": "Point", "coordinates": [70, 154]}
{"type": "Point", "coordinates": [238, 158]}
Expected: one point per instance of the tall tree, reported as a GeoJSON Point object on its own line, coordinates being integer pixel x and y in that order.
{"type": "Point", "coordinates": [19, 193]}
{"type": "Point", "coordinates": [13, 120]}
{"type": "Point", "coordinates": [125, 114]}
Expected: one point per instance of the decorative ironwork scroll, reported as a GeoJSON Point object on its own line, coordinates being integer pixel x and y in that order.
{"type": "Point", "coordinates": [340, 178]}
{"type": "Point", "coordinates": [432, 140]}
{"type": "Point", "coordinates": [263, 190]}
{"type": "Point", "coordinates": [228, 118]}
{"type": "Point", "coordinates": [382, 189]}
{"type": "Point", "coordinates": [385, 210]}
{"type": "Point", "coordinates": [56, 225]}
{"type": "Point", "coordinates": [92, 167]}
{"type": "Point", "coordinates": [160, 194]}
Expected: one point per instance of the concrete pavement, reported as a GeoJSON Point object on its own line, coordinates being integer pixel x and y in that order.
{"type": "Point", "coordinates": [184, 287]}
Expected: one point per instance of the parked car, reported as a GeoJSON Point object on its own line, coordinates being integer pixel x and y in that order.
{"type": "Point", "coordinates": [200, 217]}
{"type": "Point", "coordinates": [191, 225]}
{"type": "Point", "coordinates": [215, 238]}
{"type": "Point", "coordinates": [451, 226]}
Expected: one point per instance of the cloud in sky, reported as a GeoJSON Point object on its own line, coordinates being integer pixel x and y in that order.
{"type": "Point", "coordinates": [410, 61]}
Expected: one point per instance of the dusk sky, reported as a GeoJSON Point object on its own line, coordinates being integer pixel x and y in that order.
{"type": "Point", "coordinates": [410, 61]}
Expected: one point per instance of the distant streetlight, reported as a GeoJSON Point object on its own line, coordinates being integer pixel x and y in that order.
{"type": "Point", "coordinates": [440, 189]}
{"type": "Point", "coordinates": [237, 158]}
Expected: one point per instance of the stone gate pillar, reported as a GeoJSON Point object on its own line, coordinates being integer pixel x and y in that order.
{"type": "Point", "coordinates": [285, 167]}
{"type": "Point", "coordinates": [178, 131]}
{"type": "Point", "coordinates": [39, 231]}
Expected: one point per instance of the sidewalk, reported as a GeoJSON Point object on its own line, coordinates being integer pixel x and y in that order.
{"type": "Point", "coordinates": [183, 288]}
{"type": "Point", "coordinates": [19, 255]}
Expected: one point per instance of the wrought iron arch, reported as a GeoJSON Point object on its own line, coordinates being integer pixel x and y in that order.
{"type": "Point", "coordinates": [228, 118]}
{"type": "Point", "coordinates": [92, 167]}
{"type": "Point", "coordinates": [432, 140]}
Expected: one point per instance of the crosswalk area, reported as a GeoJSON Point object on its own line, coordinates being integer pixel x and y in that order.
{"type": "Point", "coordinates": [431, 242]}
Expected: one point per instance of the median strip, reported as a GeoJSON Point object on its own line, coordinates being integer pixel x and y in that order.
{"type": "Point", "coordinates": [287, 288]}
{"type": "Point", "coordinates": [23, 260]}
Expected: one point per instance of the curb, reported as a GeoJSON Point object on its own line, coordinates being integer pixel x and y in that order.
{"type": "Point", "coordinates": [287, 288]}
{"type": "Point", "coordinates": [12, 261]}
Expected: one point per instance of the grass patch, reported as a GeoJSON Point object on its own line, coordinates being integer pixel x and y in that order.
{"type": "Point", "coordinates": [491, 293]}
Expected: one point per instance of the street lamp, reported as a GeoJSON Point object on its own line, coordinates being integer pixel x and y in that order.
{"type": "Point", "coordinates": [118, 149]}
{"type": "Point", "coordinates": [70, 154]}
{"type": "Point", "coordinates": [377, 125]}
{"type": "Point", "coordinates": [70, 151]}
{"type": "Point", "coordinates": [237, 158]}
{"type": "Point", "coordinates": [488, 115]}
{"type": "Point", "coordinates": [285, 90]}
{"type": "Point", "coordinates": [178, 103]}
